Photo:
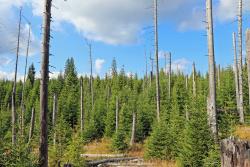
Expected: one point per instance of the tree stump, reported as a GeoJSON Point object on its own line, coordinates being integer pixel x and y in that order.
{"type": "Point", "coordinates": [235, 153]}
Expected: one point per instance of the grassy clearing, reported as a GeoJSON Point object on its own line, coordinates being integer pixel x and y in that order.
{"type": "Point", "coordinates": [243, 132]}
{"type": "Point", "coordinates": [103, 146]}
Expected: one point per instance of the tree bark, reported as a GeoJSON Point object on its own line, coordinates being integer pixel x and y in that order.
{"type": "Point", "coordinates": [152, 70]}
{"type": "Point", "coordinates": [235, 153]}
{"type": "Point", "coordinates": [194, 80]}
{"type": "Point", "coordinates": [54, 117]}
{"type": "Point", "coordinates": [82, 107]}
{"type": "Point", "coordinates": [32, 123]}
{"type": "Point", "coordinates": [24, 81]}
{"type": "Point", "coordinates": [236, 76]}
{"type": "Point", "coordinates": [218, 75]}
{"type": "Point", "coordinates": [248, 60]}
{"type": "Point", "coordinates": [212, 113]}
{"type": "Point", "coordinates": [156, 60]}
{"type": "Point", "coordinates": [43, 149]}
{"type": "Point", "coordinates": [91, 76]}
{"type": "Point", "coordinates": [132, 140]}
{"type": "Point", "coordinates": [169, 75]}
{"type": "Point", "coordinates": [117, 114]}
{"type": "Point", "coordinates": [240, 63]}
{"type": "Point", "coordinates": [13, 100]}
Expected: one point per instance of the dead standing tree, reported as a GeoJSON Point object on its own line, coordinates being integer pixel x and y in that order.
{"type": "Point", "coordinates": [82, 106]}
{"type": "Point", "coordinates": [54, 115]}
{"type": "Point", "coordinates": [156, 60]}
{"type": "Point", "coordinates": [13, 100]}
{"type": "Point", "coordinates": [194, 80]}
{"type": "Point", "coordinates": [24, 81]}
{"type": "Point", "coordinates": [241, 109]}
{"type": "Point", "coordinates": [236, 76]}
{"type": "Point", "coordinates": [43, 149]}
{"type": "Point", "coordinates": [248, 59]}
{"type": "Point", "coordinates": [211, 107]}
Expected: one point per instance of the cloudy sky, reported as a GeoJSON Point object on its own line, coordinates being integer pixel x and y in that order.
{"type": "Point", "coordinates": [120, 29]}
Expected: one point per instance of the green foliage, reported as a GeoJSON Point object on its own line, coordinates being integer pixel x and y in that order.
{"type": "Point", "coordinates": [73, 152]}
{"type": "Point", "coordinates": [213, 158]}
{"type": "Point", "coordinates": [119, 142]}
{"type": "Point", "coordinates": [197, 141]}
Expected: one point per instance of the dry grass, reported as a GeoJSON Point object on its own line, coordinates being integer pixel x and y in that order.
{"type": "Point", "coordinates": [243, 132]}
{"type": "Point", "coordinates": [103, 146]}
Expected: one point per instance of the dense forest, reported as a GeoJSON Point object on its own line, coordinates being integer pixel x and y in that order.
{"type": "Point", "coordinates": [170, 115]}
{"type": "Point", "coordinates": [181, 134]}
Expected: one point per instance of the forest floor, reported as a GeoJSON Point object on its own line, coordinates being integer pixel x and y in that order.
{"type": "Point", "coordinates": [243, 132]}
{"type": "Point", "coordinates": [103, 146]}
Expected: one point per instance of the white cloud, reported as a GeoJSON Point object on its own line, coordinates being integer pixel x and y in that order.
{"type": "Point", "coordinates": [181, 65]}
{"type": "Point", "coordinates": [119, 21]}
{"type": "Point", "coordinates": [9, 31]}
{"type": "Point", "coordinates": [99, 64]}
{"type": "Point", "coordinates": [10, 75]}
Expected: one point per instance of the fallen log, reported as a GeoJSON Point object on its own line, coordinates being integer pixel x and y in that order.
{"type": "Point", "coordinates": [235, 153]}
{"type": "Point", "coordinates": [110, 160]}
{"type": "Point", "coordinates": [102, 155]}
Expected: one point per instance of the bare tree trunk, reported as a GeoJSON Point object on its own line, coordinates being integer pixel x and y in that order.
{"type": "Point", "coordinates": [32, 123]}
{"type": "Point", "coordinates": [152, 70]}
{"type": "Point", "coordinates": [54, 117]}
{"type": "Point", "coordinates": [43, 150]}
{"type": "Point", "coordinates": [24, 80]}
{"type": "Point", "coordinates": [194, 80]}
{"type": "Point", "coordinates": [169, 75]}
{"type": "Point", "coordinates": [248, 60]}
{"type": "Point", "coordinates": [82, 109]}
{"type": "Point", "coordinates": [240, 62]}
{"type": "Point", "coordinates": [91, 76]}
{"type": "Point", "coordinates": [212, 113]}
{"type": "Point", "coordinates": [132, 140]}
{"type": "Point", "coordinates": [13, 100]}
{"type": "Point", "coordinates": [218, 75]}
{"type": "Point", "coordinates": [156, 60]}
{"type": "Point", "coordinates": [146, 66]}
{"type": "Point", "coordinates": [236, 76]}
{"type": "Point", "coordinates": [117, 114]}
{"type": "Point", "coordinates": [186, 107]}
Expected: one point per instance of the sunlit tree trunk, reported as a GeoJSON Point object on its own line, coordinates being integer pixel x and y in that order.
{"type": "Point", "coordinates": [32, 123]}
{"type": "Point", "coordinates": [169, 75]}
{"type": "Point", "coordinates": [132, 140]}
{"type": "Point", "coordinates": [156, 60]}
{"type": "Point", "coordinates": [82, 107]}
{"type": "Point", "coordinates": [236, 76]}
{"type": "Point", "coordinates": [43, 149]}
{"type": "Point", "coordinates": [54, 115]}
{"type": "Point", "coordinates": [13, 100]}
{"type": "Point", "coordinates": [241, 112]}
{"type": "Point", "coordinates": [211, 107]}
{"type": "Point", "coordinates": [194, 80]}
{"type": "Point", "coordinates": [248, 60]}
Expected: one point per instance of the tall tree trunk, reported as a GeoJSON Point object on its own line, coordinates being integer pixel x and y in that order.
{"type": "Point", "coordinates": [54, 117]}
{"type": "Point", "coordinates": [132, 140]}
{"type": "Point", "coordinates": [248, 60]}
{"type": "Point", "coordinates": [194, 80]}
{"type": "Point", "coordinates": [91, 76]}
{"type": "Point", "coordinates": [82, 107]}
{"type": "Point", "coordinates": [152, 70]}
{"type": "Point", "coordinates": [43, 150]}
{"type": "Point", "coordinates": [24, 81]}
{"type": "Point", "coordinates": [13, 100]}
{"type": "Point", "coordinates": [117, 114]}
{"type": "Point", "coordinates": [32, 123]}
{"type": "Point", "coordinates": [169, 75]}
{"type": "Point", "coordinates": [156, 60]}
{"type": "Point", "coordinates": [146, 66]}
{"type": "Point", "coordinates": [186, 106]}
{"type": "Point", "coordinates": [240, 62]}
{"type": "Point", "coordinates": [212, 113]}
{"type": "Point", "coordinates": [218, 75]}
{"type": "Point", "coordinates": [236, 75]}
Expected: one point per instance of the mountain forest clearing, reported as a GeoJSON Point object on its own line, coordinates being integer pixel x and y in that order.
{"type": "Point", "coordinates": [163, 117]}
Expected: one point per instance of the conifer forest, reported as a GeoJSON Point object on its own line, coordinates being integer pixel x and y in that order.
{"type": "Point", "coordinates": [163, 117]}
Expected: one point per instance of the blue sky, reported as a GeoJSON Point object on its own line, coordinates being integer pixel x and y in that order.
{"type": "Point", "coordinates": [118, 28]}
